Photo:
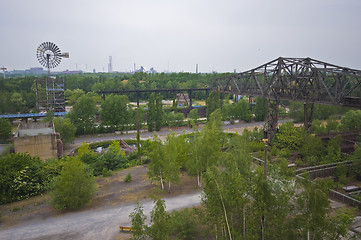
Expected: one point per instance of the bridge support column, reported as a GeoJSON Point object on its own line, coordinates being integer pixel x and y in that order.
{"type": "Point", "coordinates": [190, 99]}
{"type": "Point", "coordinates": [308, 114]}
{"type": "Point", "coordinates": [272, 118]}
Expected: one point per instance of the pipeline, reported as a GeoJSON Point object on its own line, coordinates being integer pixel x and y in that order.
{"type": "Point", "coordinates": [59, 145]}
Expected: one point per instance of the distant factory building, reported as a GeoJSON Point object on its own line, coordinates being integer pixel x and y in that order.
{"type": "Point", "coordinates": [38, 139]}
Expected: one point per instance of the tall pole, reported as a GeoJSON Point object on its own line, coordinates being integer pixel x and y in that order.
{"type": "Point", "coordinates": [138, 130]}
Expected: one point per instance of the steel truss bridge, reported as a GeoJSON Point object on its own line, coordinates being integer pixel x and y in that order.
{"type": "Point", "coordinates": [176, 90]}
{"type": "Point", "coordinates": [298, 79]}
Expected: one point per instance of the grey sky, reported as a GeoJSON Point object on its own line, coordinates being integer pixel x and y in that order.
{"type": "Point", "coordinates": [219, 35]}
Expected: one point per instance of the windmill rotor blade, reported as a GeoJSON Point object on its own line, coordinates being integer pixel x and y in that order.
{"type": "Point", "coordinates": [49, 55]}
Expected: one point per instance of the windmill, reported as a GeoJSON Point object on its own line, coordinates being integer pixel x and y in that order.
{"type": "Point", "coordinates": [49, 56]}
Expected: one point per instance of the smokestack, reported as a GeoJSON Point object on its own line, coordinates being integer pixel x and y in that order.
{"type": "Point", "coordinates": [110, 65]}
{"type": "Point", "coordinates": [197, 68]}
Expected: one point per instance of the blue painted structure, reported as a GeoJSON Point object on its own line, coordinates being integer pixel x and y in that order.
{"type": "Point", "coordinates": [31, 115]}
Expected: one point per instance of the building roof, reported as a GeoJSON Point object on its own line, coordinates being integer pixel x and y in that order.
{"type": "Point", "coordinates": [35, 129]}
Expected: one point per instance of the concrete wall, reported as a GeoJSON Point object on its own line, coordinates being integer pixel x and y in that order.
{"type": "Point", "coordinates": [43, 146]}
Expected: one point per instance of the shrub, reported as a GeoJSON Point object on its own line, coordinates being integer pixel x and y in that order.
{"type": "Point", "coordinates": [290, 136]}
{"type": "Point", "coordinates": [107, 173]}
{"type": "Point", "coordinates": [74, 187]}
{"type": "Point", "coordinates": [128, 178]}
{"type": "Point", "coordinates": [183, 225]}
{"type": "Point", "coordinates": [20, 177]}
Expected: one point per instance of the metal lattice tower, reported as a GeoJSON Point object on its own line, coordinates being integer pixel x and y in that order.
{"type": "Point", "coordinates": [50, 91]}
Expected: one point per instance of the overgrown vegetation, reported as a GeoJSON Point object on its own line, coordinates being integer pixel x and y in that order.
{"type": "Point", "coordinates": [239, 202]}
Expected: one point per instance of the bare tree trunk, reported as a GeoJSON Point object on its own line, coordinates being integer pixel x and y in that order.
{"type": "Point", "coordinates": [161, 182]}
{"type": "Point", "coordinates": [224, 210]}
{"type": "Point", "coordinates": [215, 227]}
{"type": "Point", "coordinates": [169, 186]}
{"type": "Point", "coordinates": [199, 180]}
{"type": "Point", "coordinates": [262, 228]}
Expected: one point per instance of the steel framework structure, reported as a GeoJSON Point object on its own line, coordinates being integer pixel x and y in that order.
{"type": "Point", "coordinates": [298, 79]}
{"type": "Point", "coordinates": [50, 94]}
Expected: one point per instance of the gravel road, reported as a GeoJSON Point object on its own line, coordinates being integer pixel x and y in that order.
{"type": "Point", "coordinates": [93, 224]}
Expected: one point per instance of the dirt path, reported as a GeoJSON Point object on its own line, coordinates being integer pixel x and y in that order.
{"type": "Point", "coordinates": [101, 223]}
{"type": "Point", "coordinates": [36, 219]}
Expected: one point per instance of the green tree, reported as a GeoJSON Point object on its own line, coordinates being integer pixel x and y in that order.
{"type": "Point", "coordinates": [290, 136]}
{"type": "Point", "coordinates": [5, 130]}
{"type": "Point", "coordinates": [205, 150]}
{"type": "Point", "coordinates": [314, 205]}
{"type": "Point", "coordinates": [86, 155]}
{"type": "Point", "coordinates": [17, 102]}
{"type": "Point", "coordinates": [151, 113]}
{"type": "Point", "coordinates": [49, 116]}
{"type": "Point", "coordinates": [114, 157]}
{"type": "Point", "coordinates": [139, 227]}
{"type": "Point", "coordinates": [193, 114]}
{"type": "Point", "coordinates": [114, 111]}
{"type": "Point", "coordinates": [351, 120]}
{"type": "Point", "coordinates": [174, 156]}
{"type": "Point", "coordinates": [158, 112]}
{"type": "Point", "coordinates": [157, 165]}
{"type": "Point", "coordinates": [74, 187]}
{"type": "Point", "coordinates": [183, 224]}
{"type": "Point", "coordinates": [159, 218]}
{"type": "Point", "coordinates": [72, 96]}
{"type": "Point", "coordinates": [333, 151]}
{"type": "Point", "coordinates": [244, 111]}
{"type": "Point", "coordinates": [65, 128]}
{"type": "Point", "coordinates": [312, 149]}
{"type": "Point", "coordinates": [213, 103]}
{"type": "Point", "coordinates": [260, 110]}
{"type": "Point", "coordinates": [83, 114]}
{"type": "Point", "coordinates": [227, 111]}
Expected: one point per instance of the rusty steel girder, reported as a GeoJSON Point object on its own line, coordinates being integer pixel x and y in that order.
{"type": "Point", "coordinates": [297, 79]}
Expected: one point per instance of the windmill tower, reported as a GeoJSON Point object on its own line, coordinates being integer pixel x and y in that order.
{"type": "Point", "coordinates": [50, 92]}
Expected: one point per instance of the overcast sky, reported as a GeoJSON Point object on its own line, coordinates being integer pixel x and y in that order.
{"type": "Point", "coordinates": [219, 35]}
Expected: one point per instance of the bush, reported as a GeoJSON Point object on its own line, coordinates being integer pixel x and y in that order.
{"type": "Point", "coordinates": [313, 146]}
{"type": "Point", "coordinates": [107, 173]}
{"type": "Point", "coordinates": [290, 136]}
{"type": "Point", "coordinates": [74, 187]}
{"type": "Point", "coordinates": [351, 120]}
{"type": "Point", "coordinates": [20, 177]}
{"type": "Point", "coordinates": [183, 225]}
{"type": "Point", "coordinates": [128, 178]}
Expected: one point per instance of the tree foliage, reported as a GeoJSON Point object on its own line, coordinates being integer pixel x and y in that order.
{"type": "Point", "coordinates": [5, 130]}
{"type": "Point", "coordinates": [74, 187]}
{"type": "Point", "coordinates": [83, 114]}
{"type": "Point", "coordinates": [139, 227]}
{"type": "Point", "coordinates": [65, 128]}
{"type": "Point", "coordinates": [213, 103]}
{"type": "Point", "coordinates": [20, 177]}
{"type": "Point", "coordinates": [155, 112]}
{"type": "Point", "coordinates": [114, 112]}
{"type": "Point", "coordinates": [260, 110]}
{"type": "Point", "coordinates": [159, 218]}
{"type": "Point", "coordinates": [351, 120]}
{"type": "Point", "coordinates": [289, 136]}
